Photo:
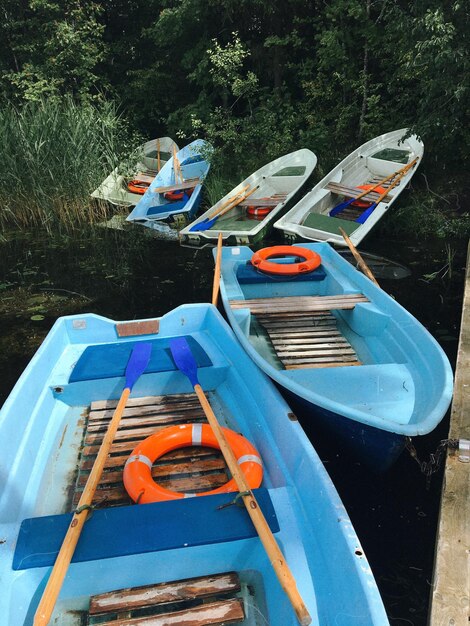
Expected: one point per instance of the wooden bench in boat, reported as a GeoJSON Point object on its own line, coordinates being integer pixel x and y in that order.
{"type": "Point", "coordinates": [201, 601]}
{"type": "Point", "coordinates": [351, 192]}
{"type": "Point", "coordinates": [187, 184]}
{"type": "Point", "coordinates": [271, 201]}
{"type": "Point", "coordinates": [307, 340]}
{"type": "Point", "coordinates": [304, 304]}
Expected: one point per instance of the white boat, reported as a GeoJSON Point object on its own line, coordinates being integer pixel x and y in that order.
{"type": "Point", "coordinates": [152, 157]}
{"type": "Point", "coordinates": [246, 214]}
{"type": "Point", "coordinates": [357, 193]}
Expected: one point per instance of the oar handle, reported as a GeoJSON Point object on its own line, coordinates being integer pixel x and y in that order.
{"type": "Point", "coordinates": [229, 201]}
{"type": "Point", "coordinates": [158, 155]}
{"type": "Point", "coordinates": [401, 172]}
{"type": "Point", "coordinates": [238, 200]}
{"type": "Point", "coordinates": [218, 258]}
{"type": "Point", "coordinates": [276, 557]}
{"type": "Point", "coordinates": [54, 584]}
{"type": "Point", "coordinates": [399, 175]}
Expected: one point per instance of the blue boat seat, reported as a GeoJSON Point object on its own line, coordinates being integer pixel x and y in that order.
{"type": "Point", "coordinates": [247, 274]}
{"type": "Point", "coordinates": [109, 360]}
{"type": "Point", "coordinates": [137, 529]}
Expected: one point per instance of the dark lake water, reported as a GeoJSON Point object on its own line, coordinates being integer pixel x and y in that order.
{"type": "Point", "coordinates": [128, 275]}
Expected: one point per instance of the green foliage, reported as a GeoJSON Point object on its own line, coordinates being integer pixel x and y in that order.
{"type": "Point", "coordinates": [53, 155]}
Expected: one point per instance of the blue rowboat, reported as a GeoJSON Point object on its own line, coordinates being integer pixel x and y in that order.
{"type": "Point", "coordinates": [174, 195]}
{"type": "Point", "coordinates": [184, 549]}
{"type": "Point", "coordinates": [360, 365]}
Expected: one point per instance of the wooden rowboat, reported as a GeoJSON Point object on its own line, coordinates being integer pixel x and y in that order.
{"type": "Point", "coordinates": [174, 195]}
{"type": "Point", "coordinates": [375, 173]}
{"type": "Point", "coordinates": [246, 214]}
{"type": "Point", "coordinates": [357, 362]}
{"type": "Point", "coordinates": [152, 157]}
{"type": "Point", "coordinates": [190, 560]}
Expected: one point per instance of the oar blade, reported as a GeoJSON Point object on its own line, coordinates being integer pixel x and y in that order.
{"type": "Point", "coordinates": [204, 225]}
{"type": "Point", "coordinates": [138, 361]}
{"type": "Point", "coordinates": [184, 359]}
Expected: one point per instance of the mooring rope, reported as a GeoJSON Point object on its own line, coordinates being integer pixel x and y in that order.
{"type": "Point", "coordinates": [435, 458]}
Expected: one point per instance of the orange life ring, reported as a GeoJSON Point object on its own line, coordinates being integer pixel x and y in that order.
{"type": "Point", "coordinates": [311, 260]}
{"type": "Point", "coordinates": [258, 212]}
{"type": "Point", "coordinates": [138, 479]}
{"type": "Point", "coordinates": [138, 186]}
{"type": "Point", "coordinates": [363, 204]}
{"type": "Point", "coordinates": [177, 195]}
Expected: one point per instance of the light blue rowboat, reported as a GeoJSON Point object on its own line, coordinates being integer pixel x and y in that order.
{"type": "Point", "coordinates": [42, 442]}
{"type": "Point", "coordinates": [356, 361]}
{"type": "Point", "coordinates": [191, 169]}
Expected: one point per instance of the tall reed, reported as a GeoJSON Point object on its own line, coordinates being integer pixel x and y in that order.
{"type": "Point", "coordinates": [53, 155]}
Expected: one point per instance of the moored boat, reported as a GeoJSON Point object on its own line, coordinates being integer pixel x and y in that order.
{"type": "Point", "coordinates": [360, 365]}
{"type": "Point", "coordinates": [187, 559]}
{"type": "Point", "coordinates": [126, 191]}
{"type": "Point", "coordinates": [174, 195]}
{"type": "Point", "coordinates": [357, 193]}
{"type": "Point", "coordinates": [246, 214]}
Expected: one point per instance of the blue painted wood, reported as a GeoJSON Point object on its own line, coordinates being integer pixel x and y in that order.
{"type": "Point", "coordinates": [110, 360]}
{"type": "Point", "coordinates": [142, 528]}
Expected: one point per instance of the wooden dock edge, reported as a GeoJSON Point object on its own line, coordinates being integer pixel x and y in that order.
{"type": "Point", "coordinates": [450, 602]}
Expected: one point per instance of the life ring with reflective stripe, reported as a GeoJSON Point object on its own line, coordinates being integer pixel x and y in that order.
{"type": "Point", "coordinates": [310, 260]}
{"type": "Point", "coordinates": [138, 186]}
{"type": "Point", "coordinates": [138, 479]}
{"type": "Point", "coordinates": [258, 212]}
{"type": "Point", "coordinates": [363, 204]}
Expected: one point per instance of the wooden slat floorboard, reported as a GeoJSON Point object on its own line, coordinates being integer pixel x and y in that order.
{"type": "Point", "coordinates": [299, 342]}
{"type": "Point", "coordinates": [192, 469]}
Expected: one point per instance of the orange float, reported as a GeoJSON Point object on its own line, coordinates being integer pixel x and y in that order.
{"type": "Point", "coordinates": [138, 186]}
{"type": "Point", "coordinates": [310, 260]}
{"type": "Point", "coordinates": [138, 479]}
{"type": "Point", "coordinates": [363, 204]}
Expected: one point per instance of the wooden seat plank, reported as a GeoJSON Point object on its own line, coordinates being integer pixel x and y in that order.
{"type": "Point", "coordinates": [304, 303]}
{"type": "Point", "coordinates": [163, 593]}
{"type": "Point", "coordinates": [222, 612]}
{"type": "Point", "coordinates": [352, 192]}
{"type": "Point", "coordinates": [187, 184]}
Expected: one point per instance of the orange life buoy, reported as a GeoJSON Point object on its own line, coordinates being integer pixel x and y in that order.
{"type": "Point", "coordinates": [138, 186]}
{"type": "Point", "coordinates": [311, 260]}
{"type": "Point", "coordinates": [177, 195]}
{"type": "Point", "coordinates": [258, 212]}
{"type": "Point", "coordinates": [138, 479]}
{"type": "Point", "coordinates": [363, 204]}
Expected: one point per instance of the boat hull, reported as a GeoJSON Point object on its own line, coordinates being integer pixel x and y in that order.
{"type": "Point", "coordinates": [81, 364]}
{"type": "Point", "coordinates": [284, 177]}
{"type": "Point", "coordinates": [114, 188]}
{"type": "Point", "coordinates": [154, 209]}
{"type": "Point", "coordinates": [315, 216]}
{"type": "Point", "coordinates": [361, 366]}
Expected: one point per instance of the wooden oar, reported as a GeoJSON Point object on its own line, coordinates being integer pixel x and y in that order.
{"type": "Point", "coordinates": [226, 203]}
{"type": "Point", "coordinates": [185, 362]}
{"type": "Point", "coordinates": [176, 168]}
{"type": "Point", "coordinates": [138, 361]}
{"type": "Point", "coordinates": [360, 261]}
{"type": "Point", "coordinates": [208, 223]}
{"type": "Point", "coordinates": [158, 155]}
{"type": "Point", "coordinates": [218, 258]}
{"type": "Point", "coordinates": [400, 173]}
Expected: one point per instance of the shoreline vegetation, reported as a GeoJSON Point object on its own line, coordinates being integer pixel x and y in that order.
{"type": "Point", "coordinates": [54, 153]}
{"type": "Point", "coordinates": [83, 83]}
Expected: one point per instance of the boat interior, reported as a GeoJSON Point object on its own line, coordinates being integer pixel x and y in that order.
{"type": "Point", "coordinates": [308, 326]}
{"type": "Point", "coordinates": [361, 171]}
{"type": "Point", "coordinates": [66, 413]}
